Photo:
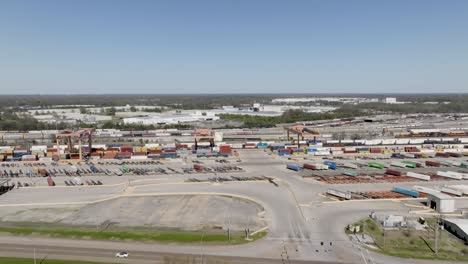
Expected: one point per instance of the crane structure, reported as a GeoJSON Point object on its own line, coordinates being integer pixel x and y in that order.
{"type": "Point", "coordinates": [302, 132]}
{"type": "Point", "coordinates": [71, 135]}
{"type": "Point", "coordinates": [203, 135]}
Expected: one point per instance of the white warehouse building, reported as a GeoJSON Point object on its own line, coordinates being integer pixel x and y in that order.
{"type": "Point", "coordinates": [163, 119]}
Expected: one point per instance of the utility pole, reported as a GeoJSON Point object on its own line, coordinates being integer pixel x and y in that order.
{"type": "Point", "coordinates": [436, 234]}
{"type": "Point", "coordinates": [201, 250]}
{"type": "Point", "coordinates": [284, 255]}
{"type": "Point", "coordinates": [34, 255]}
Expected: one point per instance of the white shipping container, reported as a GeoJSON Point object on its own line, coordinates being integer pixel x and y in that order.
{"type": "Point", "coordinates": [448, 175]}
{"type": "Point", "coordinates": [237, 145]}
{"type": "Point", "coordinates": [345, 195]}
{"type": "Point", "coordinates": [38, 148]}
{"type": "Point", "coordinates": [463, 175]}
{"type": "Point", "coordinates": [322, 153]}
{"type": "Point", "coordinates": [425, 189]}
{"type": "Point", "coordinates": [138, 157]}
{"type": "Point", "coordinates": [427, 151]}
{"type": "Point", "coordinates": [418, 176]}
{"type": "Point", "coordinates": [416, 141]}
{"type": "Point", "coordinates": [451, 191]}
{"type": "Point", "coordinates": [398, 164]}
{"type": "Point", "coordinates": [388, 141]}
{"type": "Point", "coordinates": [461, 188]}
{"type": "Point", "coordinates": [350, 165]}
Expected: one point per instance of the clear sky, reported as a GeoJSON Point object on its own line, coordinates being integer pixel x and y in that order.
{"type": "Point", "coordinates": [233, 46]}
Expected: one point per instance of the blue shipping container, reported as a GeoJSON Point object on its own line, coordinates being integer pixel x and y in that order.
{"type": "Point", "coordinates": [404, 191]}
{"type": "Point", "coordinates": [294, 167]}
{"type": "Point", "coordinates": [331, 165]}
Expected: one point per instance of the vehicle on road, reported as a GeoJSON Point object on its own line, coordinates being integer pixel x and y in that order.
{"type": "Point", "coordinates": [121, 255]}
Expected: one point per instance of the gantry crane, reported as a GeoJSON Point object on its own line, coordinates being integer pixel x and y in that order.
{"type": "Point", "coordinates": [203, 134]}
{"type": "Point", "coordinates": [302, 132]}
{"type": "Point", "coordinates": [69, 135]}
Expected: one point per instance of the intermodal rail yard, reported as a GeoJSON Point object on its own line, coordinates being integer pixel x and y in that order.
{"type": "Point", "coordinates": [272, 201]}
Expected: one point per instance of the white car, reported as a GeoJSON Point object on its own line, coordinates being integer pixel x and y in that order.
{"type": "Point", "coordinates": [121, 255]}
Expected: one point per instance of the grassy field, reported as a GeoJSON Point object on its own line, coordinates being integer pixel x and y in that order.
{"type": "Point", "coordinates": [47, 261]}
{"type": "Point", "coordinates": [126, 233]}
{"type": "Point", "coordinates": [415, 244]}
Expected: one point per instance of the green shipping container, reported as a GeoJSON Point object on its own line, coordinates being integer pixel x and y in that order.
{"type": "Point", "coordinates": [376, 165]}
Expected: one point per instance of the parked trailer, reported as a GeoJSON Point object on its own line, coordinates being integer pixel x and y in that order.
{"type": "Point", "coordinates": [463, 175]}
{"type": "Point", "coordinates": [376, 165]}
{"type": "Point", "coordinates": [451, 191]}
{"type": "Point", "coordinates": [316, 166]}
{"type": "Point", "coordinates": [350, 165]}
{"type": "Point", "coordinates": [349, 173]}
{"type": "Point", "coordinates": [418, 176]}
{"type": "Point", "coordinates": [344, 195]}
{"type": "Point", "coordinates": [393, 172]}
{"type": "Point", "coordinates": [398, 164]}
{"type": "Point", "coordinates": [425, 189]}
{"type": "Point", "coordinates": [432, 163]}
{"type": "Point", "coordinates": [294, 167]}
{"type": "Point", "coordinates": [331, 165]}
{"type": "Point", "coordinates": [408, 192]}
{"type": "Point", "coordinates": [448, 175]}
{"type": "Point", "coordinates": [409, 164]}
{"type": "Point", "coordinates": [50, 182]}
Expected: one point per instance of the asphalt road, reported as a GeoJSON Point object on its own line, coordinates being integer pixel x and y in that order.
{"type": "Point", "coordinates": [87, 253]}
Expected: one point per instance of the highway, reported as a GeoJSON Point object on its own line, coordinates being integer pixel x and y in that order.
{"type": "Point", "coordinates": [84, 251]}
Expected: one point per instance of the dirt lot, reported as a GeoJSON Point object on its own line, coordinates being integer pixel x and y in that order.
{"type": "Point", "coordinates": [188, 212]}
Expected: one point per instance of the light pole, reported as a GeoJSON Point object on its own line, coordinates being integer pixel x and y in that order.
{"type": "Point", "coordinates": [201, 249]}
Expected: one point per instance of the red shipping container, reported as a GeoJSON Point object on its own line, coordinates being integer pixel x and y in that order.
{"type": "Point", "coordinates": [393, 172]}
{"type": "Point", "coordinates": [50, 182]}
{"type": "Point", "coordinates": [432, 163]}
{"type": "Point", "coordinates": [376, 150]}
{"type": "Point", "coordinates": [309, 166]}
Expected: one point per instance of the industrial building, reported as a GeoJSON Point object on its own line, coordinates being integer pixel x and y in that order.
{"type": "Point", "coordinates": [458, 227]}
{"type": "Point", "coordinates": [441, 202]}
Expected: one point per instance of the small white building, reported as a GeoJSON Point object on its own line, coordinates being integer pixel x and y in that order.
{"type": "Point", "coordinates": [391, 221]}
{"type": "Point", "coordinates": [441, 202]}
{"type": "Point", "coordinates": [390, 100]}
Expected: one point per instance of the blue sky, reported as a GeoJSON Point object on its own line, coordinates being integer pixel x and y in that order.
{"type": "Point", "coordinates": [233, 46]}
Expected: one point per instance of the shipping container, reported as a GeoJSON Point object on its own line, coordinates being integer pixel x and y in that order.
{"type": "Point", "coordinates": [432, 163]}
{"type": "Point", "coordinates": [449, 175]}
{"type": "Point", "coordinates": [409, 164]}
{"type": "Point", "coordinates": [349, 173]}
{"type": "Point", "coordinates": [418, 176]}
{"type": "Point", "coordinates": [376, 165]}
{"type": "Point", "coordinates": [331, 165]}
{"type": "Point", "coordinates": [393, 172]}
{"type": "Point", "coordinates": [340, 194]}
{"type": "Point", "coordinates": [50, 182]}
{"type": "Point", "coordinates": [294, 167]}
{"type": "Point", "coordinates": [405, 191]}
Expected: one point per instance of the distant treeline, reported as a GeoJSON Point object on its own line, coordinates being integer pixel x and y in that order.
{"type": "Point", "coordinates": [196, 101]}
{"type": "Point", "coordinates": [455, 106]}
